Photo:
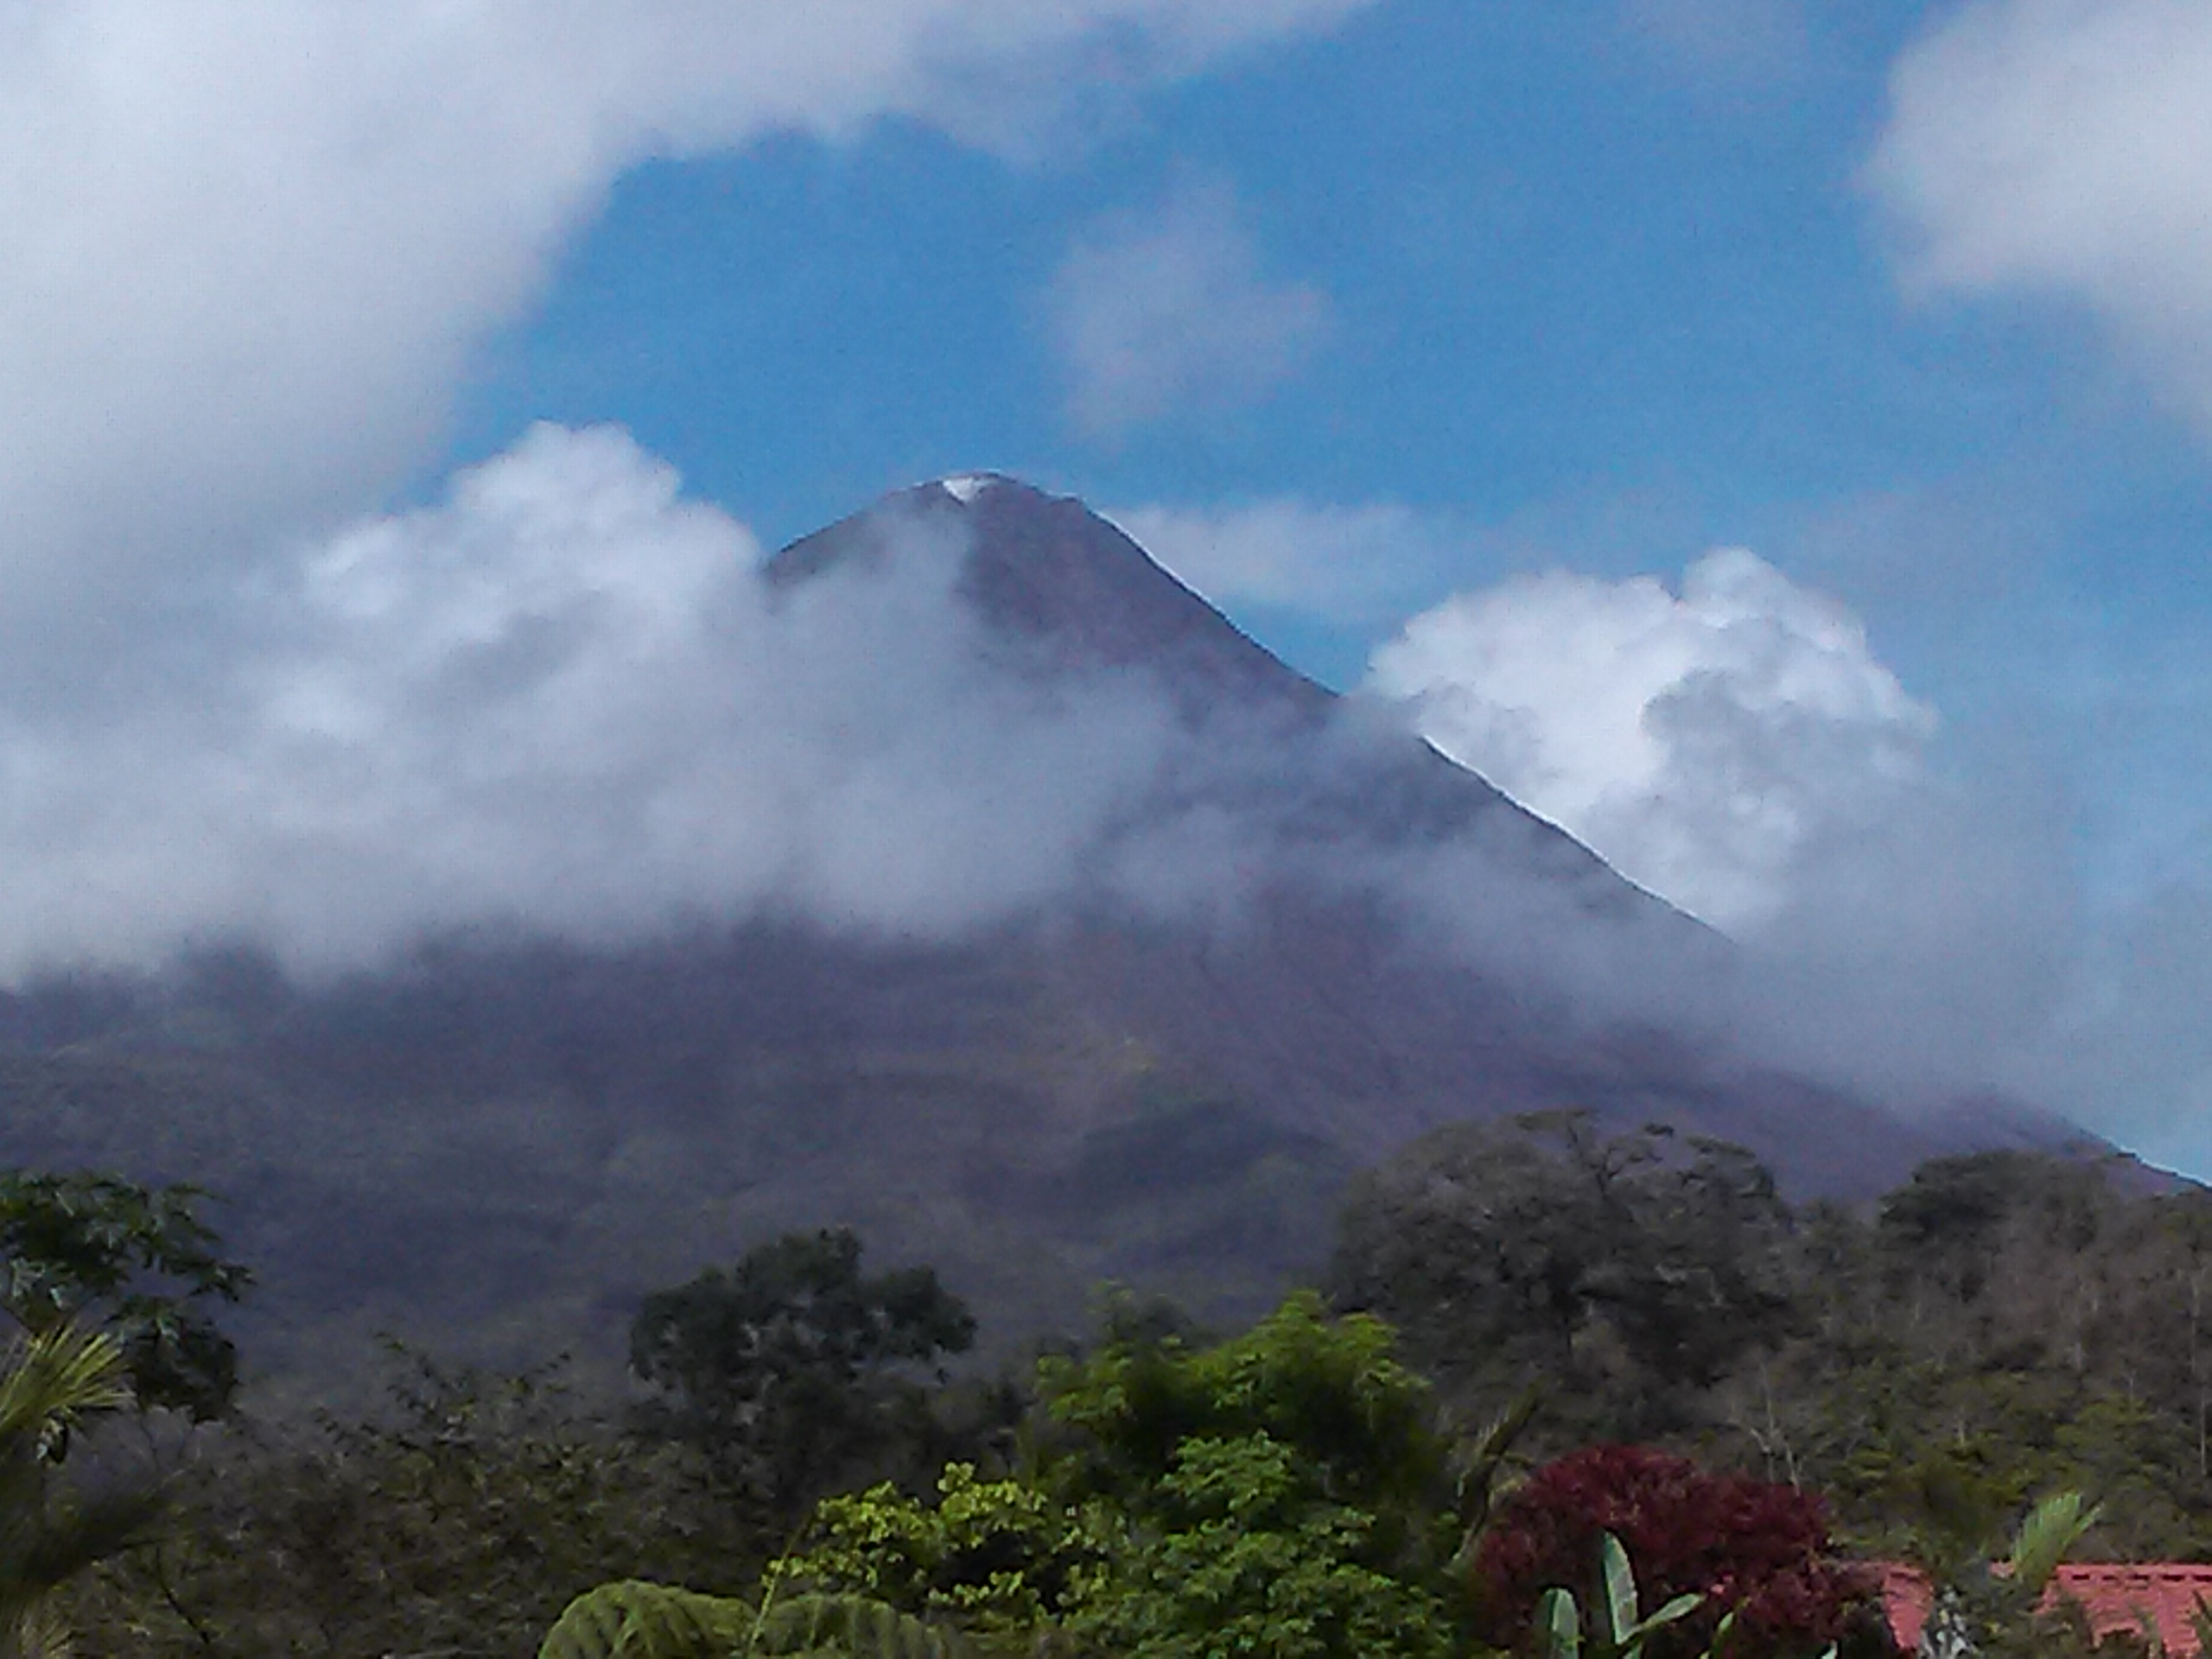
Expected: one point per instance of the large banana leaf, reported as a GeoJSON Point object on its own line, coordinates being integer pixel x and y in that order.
{"type": "Point", "coordinates": [635, 1620]}
{"type": "Point", "coordinates": [854, 1625]}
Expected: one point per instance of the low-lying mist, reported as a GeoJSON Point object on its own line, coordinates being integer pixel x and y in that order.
{"type": "Point", "coordinates": [564, 700]}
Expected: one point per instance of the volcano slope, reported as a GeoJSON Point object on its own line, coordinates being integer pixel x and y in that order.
{"type": "Point", "coordinates": [1305, 939]}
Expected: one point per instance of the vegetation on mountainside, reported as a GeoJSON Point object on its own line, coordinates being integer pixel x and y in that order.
{"type": "Point", "coordinates": [2002, 1328]}
{"type": "Point", "coordinates": [784, 1370]}
{"type": "Point", "coordinates": [2004, 1325]}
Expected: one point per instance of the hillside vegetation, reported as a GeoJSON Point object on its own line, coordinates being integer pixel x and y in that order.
{"type": "Point", "coordinates": [1403, 1460]}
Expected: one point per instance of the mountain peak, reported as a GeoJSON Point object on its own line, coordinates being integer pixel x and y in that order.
{"type": "Point", "coordinates": [1046, 569]}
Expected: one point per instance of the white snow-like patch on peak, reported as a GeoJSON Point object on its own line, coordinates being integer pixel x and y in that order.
{"type": "Point", "coordinates": [964, 487]}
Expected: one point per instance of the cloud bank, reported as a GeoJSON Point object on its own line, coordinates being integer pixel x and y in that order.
{"type": "Point", "coordinates": [1907, 920]}
{"type": "Point", "coordinates": [1169, 311]}
{"type": "Point", "coordinates": [251, 245]}
{"type": "Point", "coordinates": [563, 698]}
{"type": "Point", "coordinates": [1702, 743]}
{"type": "Point", "coordinates": [2062, 148]}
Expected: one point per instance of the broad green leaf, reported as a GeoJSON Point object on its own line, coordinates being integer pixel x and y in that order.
{"type": "Point", "coordinates": [1681, 1607]}
{"type": "Point", "coordinates": [632, 1619]}
{"type": "Point", "coordinates": [2052, 1529]}
{"type": "Point", "coordinates": [858, 1626]}
{"type": "Point", "coordinates": [1620, 1591]}
{"type": "Point", "coordinates": [1558, 1625]}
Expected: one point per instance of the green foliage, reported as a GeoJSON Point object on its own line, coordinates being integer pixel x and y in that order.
{"type": "Point", "coordinates": [1623, 1628]}
{"type": "Point", "coordinates": [855, 1626]}
{"type": "Point", "coordinates": [1242, 1556]}
{"type": "Point", "coordinates": [783, 1369]}
{"type": "Point", "coordinates": [458, 1520]}
{"type": "Point", "coordinates": [88, 1246]}
{"type": "Point", "coordinates": [997, 1555]}
{"type": "Point", "coordinates": [1277, 1495]}
{"type": "Point", "coordinates": [1976, 1610]}
{"type": "Point", "coordinates": [54, 1382]}
{"type": "Point", "coordinates": [2004, 1323]}
{"type": "Point", "coordinates": [1628, 1272]}
{"type": "Point", "coordinates": [1330, 1391]}
{"type": "Point", "coordinates": [633, 1619]}
{"type": "Point", "coordinates": [2046, 1537]}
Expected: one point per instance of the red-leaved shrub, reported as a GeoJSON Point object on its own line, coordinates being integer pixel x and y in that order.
{"type": "Point", "coordinates": [1747, 1544]}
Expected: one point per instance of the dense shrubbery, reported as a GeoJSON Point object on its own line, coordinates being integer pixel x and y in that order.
{"type": "Point", "coordinates": [1277, 1493]}
{"type": "Point", "coordinates": [2004, 1326]}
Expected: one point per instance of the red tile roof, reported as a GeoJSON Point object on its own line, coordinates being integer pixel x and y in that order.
{"type": "Point", "coordinates": [2116, 1597]}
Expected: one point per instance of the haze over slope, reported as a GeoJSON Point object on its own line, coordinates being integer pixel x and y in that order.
{"type": "Point", "coordinates": [955, 873]}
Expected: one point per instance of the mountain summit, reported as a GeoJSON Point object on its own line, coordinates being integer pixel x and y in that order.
{"type": "Point", "coordinates": [1047, 570]}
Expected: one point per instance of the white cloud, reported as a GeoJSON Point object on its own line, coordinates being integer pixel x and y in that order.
{"type": "Point", "coordinates": [1169, 311]}
{"type": "Point", "coordinates": [1909, 919]}
{"type": "Point", "coordinates": [1352, 563]}
{"type": "Point", "coordinates": [1700, 743]}
{"type": "Point", "coordinates": [2063, 148]}
{"type": "Point", "coordinates": [251, 244]}
{"type": "Point", "coordinates": [563, 698]}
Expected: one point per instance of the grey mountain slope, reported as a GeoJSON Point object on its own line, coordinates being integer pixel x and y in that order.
{"type": "Point", "coordinates": [498, 1144]}
{"type": "Point", "coordinates": [1068, 592]}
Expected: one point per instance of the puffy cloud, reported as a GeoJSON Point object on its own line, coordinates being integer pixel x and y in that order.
{"type": "Point", "coordinates": [1166, 311]}
{"type": "Point", "coordinates": [252, 244]}
{"type": "Point", "coordinates": [1699, 743]}
{"type": "Point", "coordinates": [2064, 147]}
{"type": "Point", "coordinates": [563, 697]}
{"type": "Point", "coordinates": [1908, 917]}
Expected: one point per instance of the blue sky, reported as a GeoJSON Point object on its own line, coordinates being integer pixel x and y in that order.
{"type": "Point", "coordinates": [1441, 343]}
{"type": "Point", "coordinates": [1601, 295]}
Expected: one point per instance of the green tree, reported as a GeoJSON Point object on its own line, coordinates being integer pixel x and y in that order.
{"type": "Point", "coordinates": [1631, 1270]}
{"type": "Point", "coordinates": [787, 1369]}
{"type": "Point", "coordinates": [1003, 1558]}
{"type": "Point", "coordinates": [1280, 1495]}
{"type": "Point", "coordinates": [137, 1261]}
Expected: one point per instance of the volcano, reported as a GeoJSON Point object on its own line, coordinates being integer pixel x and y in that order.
{"type": "Point", "coordinates": [499, 1143]}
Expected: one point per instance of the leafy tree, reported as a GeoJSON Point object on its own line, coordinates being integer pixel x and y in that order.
{"type": "Point", "coordinates": [1280, 1494]}
{"type": "Point", "coordinates": [785, 1369]}
{"type": "Point", "coordinates": [1001, 1557]}
{"type": "Point", "coordinates": [1631, 1271]}
{"type": "Point", "coordinates": [1330, 1390]}
{"type": "Point", "coordinates": [1239, 1552]}
{"type": "Point", "coordinates": [136, 1260]}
